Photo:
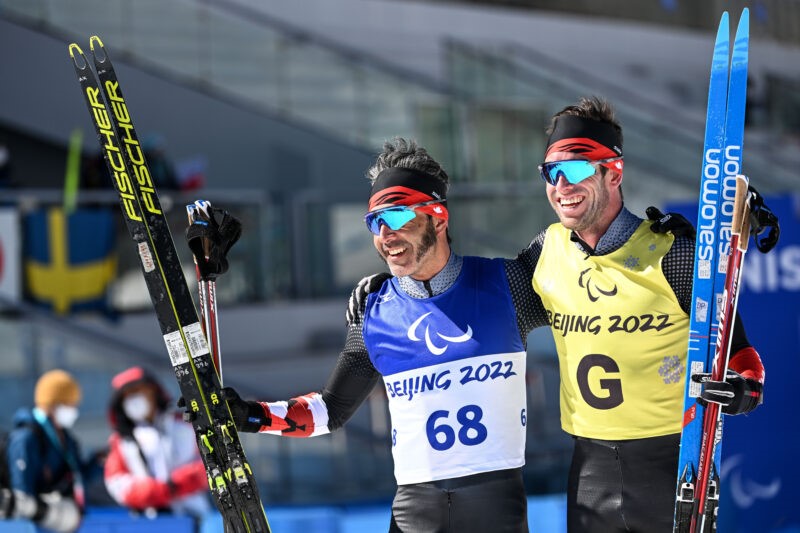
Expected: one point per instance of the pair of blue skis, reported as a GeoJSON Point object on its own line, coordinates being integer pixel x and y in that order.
{"type": "Point", "coordinates": [697, 490]}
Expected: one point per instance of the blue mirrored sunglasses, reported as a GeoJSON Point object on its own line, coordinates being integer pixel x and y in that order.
{"type": "Point", "coordinates": [395, 217]}
{"type": "Point", "coordinates": [573, 170]}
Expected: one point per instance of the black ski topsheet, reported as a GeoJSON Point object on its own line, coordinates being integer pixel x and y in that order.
{"type": "Point", "coordinates": [230, 478]}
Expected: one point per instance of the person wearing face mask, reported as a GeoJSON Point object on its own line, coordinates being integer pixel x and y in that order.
{"type": "Point", "coordinates": [153, 463]}
{"type": "Point", "coordinates": [46, 473]}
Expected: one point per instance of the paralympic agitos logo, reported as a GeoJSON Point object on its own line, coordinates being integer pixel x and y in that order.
{"type": "Point", "coordinates": [593, 290]}
{"type": "Point", "coordinates": [432, 347]}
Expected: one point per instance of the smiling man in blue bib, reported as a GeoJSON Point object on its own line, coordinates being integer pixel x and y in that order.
{"type": "Point", "coordinates": [445, 335]}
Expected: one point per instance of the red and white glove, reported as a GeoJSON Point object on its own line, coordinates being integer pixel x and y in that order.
{"type": "Point", "coordinates": [256, 417]}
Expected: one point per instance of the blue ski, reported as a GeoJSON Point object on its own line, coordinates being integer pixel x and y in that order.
{"type": "Point", "coordinates": [722, 159]}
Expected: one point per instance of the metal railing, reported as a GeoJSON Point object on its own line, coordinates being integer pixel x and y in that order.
{"type": "Point", "coordinates": [661, 143]}
{"type": "Point", "coordinates": [488, 134]}
{"type": "Point", "coordinates": [484, 125]}
{"type": "Point", "coordinates": [242, 55]}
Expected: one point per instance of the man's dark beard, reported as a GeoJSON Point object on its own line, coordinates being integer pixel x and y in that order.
{"type": "Point", "coordinates": [428, 239]}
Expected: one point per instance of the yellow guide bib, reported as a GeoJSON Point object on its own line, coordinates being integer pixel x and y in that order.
{"type": "Point", "coordinates": [621, 336]}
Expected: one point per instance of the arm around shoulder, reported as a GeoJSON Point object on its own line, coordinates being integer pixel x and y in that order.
{"type": "Point", "coordinates": [358, 298]}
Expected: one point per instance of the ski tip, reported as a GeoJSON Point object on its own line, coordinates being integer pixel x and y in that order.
{"type": "Point", "coordinates": [722, 44]}
{"type": "Point", "coordinates": [745, 18]}
{"type": "Point", "coordinates": [723, 23]}
{"type": "Point", "coordinates": [742, 41]}
{"type": "Point", "coordinates": [98, 51]}
{"type": "Point", "coordinates": [743, 29]}
{"type": "Point", "coordinates": [723, 30]}
{"type": "Point", "coordinates": [77, 56]}
{"type": "Point", "coordinates": [95, 39]}
{"type": "Point", "coordinates": [74, 50]}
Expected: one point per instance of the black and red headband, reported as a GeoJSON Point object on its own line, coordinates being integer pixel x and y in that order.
{"type": "Point", "coordinates": [591, 138]}
{"type": "Point", "coordinates": [404, 186]}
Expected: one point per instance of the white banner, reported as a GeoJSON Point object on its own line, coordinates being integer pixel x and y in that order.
{"type": "Point", "coordinates": [10, 260]}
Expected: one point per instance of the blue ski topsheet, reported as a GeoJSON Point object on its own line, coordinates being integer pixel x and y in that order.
{"type": "Point", "coordinates": [734, 143]}
{"type": "Point", "coordinates": [722, 157]}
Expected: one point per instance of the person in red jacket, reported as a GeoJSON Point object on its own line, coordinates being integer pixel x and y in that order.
{"type": "Point", "coordinates": [153, 463]}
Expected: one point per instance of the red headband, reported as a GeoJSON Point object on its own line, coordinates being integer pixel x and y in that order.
{"type": "Point", "coordinates": [593, 150]}
{"type": "Point", "coordinates": [593, 139]}
{"type": "Point", "coordinates": [401, 186]}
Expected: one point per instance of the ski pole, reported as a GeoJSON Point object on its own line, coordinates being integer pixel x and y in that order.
{"type": "Point", "coordinates": [740, 237]}
{"type": "Point", "coordinates": [199, 213]}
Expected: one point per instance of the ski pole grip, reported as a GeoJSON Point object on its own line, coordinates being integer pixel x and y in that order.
{"type": "Point", "coordinates": [745, 237]}
{"type": "Point", "coordinates": [192, 213]}
{"type": "Point", "coordinates": [741, 212]}
{"type": "Point", "coordinates": [198, 235]}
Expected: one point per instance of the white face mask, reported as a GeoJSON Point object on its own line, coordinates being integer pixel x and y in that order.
{"type": "Point", "coordinates": [137, 407]}
{"type": "Point", "coordinates": [65, 415]}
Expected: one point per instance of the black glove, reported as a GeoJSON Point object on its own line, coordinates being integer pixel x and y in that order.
{"type": "Point", "coordinates": [764, 224]}
{"type": "Point", "coordinates": [249, 416]}
{"type": "Point", "coordinates": [677, 224]}
{"type": "Point", "coordinates": [737, 394]}
{"type": "Point", "coordinates": [358, 298]}
{"type": "Point", "coordinates": [211, 234]}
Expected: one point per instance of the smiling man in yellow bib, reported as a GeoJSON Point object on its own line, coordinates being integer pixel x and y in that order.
{"type": "Point", "coordinates": [617, 292]}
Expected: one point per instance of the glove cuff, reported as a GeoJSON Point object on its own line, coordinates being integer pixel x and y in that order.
{"type": "Point", "coordinates": [751, 396]}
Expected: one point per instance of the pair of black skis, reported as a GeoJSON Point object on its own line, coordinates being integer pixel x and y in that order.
{"type": "Point", "coordinates": [230, 477]}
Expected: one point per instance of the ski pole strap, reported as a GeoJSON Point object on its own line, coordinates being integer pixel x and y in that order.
{"type": "Point", "coordinates": [210, 236]}
{"type": "Point", "coordinates": [764, 224]}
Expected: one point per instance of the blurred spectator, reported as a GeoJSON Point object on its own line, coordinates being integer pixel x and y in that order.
{"type": "Point", "coordinates": [45, 471]}
{"type": "Point", "coordinates": [192, 173]}
{"type": "Point", "coordinates": [94, 172]}
{"type": "Point", "coordinates": [5, 166]}
{"type": "Point", "coordinates": [154, 464]}
{"type": "Point", "coordinates": [162, 170]}
{"type": "Point", "coordinates": [755, 111]}
{"type": "Point", "coordinates": [669, 5]}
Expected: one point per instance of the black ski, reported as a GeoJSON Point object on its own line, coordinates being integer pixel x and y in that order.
{"type": "Point", "coordinates": [230, 478]}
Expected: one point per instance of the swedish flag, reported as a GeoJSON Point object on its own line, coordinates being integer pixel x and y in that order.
{"type": "Point", "coordinates": [69, 259]}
